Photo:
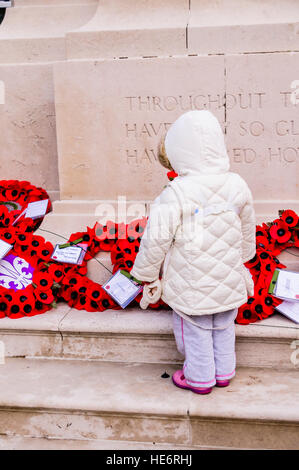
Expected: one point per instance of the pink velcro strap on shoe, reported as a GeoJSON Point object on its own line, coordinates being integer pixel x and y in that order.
{"type": "Point", "coordinates": [179, 380]}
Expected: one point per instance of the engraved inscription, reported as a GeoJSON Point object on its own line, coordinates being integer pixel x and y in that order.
{"type": "Point", "coordinates": [143, 135]}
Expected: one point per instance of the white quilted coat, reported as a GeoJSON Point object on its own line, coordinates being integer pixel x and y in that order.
{"type": "Point", "coordinates": [202, 226]}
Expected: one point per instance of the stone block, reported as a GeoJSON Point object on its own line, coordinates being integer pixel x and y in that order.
{"type": "Point", "coordinates": [126, 28]}
{"type": "Point", "coordinates": [262, 127]}
{"type": "Point", "coordinates": [111, 116]}
{"type": "Point", "coordinates": [232, 26]}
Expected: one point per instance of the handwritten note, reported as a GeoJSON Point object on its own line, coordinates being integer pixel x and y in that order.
{"type": "Point", "coordinates": [122, 289]}
{"type": "Point", "coordinates": [70, 254]}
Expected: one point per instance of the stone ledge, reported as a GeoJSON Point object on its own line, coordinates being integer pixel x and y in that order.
{"type": "Point", "coordinates": [136, 321]}
{"type": "Point", "coordinates": [237, 28]}
{"type": "Point", "coordinates": [26, 37]}
{"type": "Point", "coordinates": [133, 320]}
{"type": "Point", "coordinates": [33, 443]}
{"type": "Point", "coordinates": [125, 28]}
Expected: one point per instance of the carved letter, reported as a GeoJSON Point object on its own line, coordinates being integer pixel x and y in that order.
{"type": "Point", "coordinates": [131, 157]}
{"type": "Point", "coordinates": [134, 130]}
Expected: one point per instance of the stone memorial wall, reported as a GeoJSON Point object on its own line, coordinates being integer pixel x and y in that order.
{"type": "Point", "coordinates": [124, 108]}
{"type": "Point", "coordinates": [125, 70]}
{"type": "Point", "coordinates": [32, 38]}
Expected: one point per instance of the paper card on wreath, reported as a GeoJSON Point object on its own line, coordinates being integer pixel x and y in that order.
{"type": "Point", "coordinates": [4, 248]}
{"type": "Point", "coordinates": [69, 254]}
{"type": "Point", "coordinates": [122, 289]}
{"type": "Point", "coordinates": [285, 285]}
{"type": "Point", "coordinates": [290, 310]}
{"type": "Point", "coordinates": [37, 209]}
{"type": "Point", "coordinates": [34, 210]}
{"type": "Point", "coordinates": [84, 247]}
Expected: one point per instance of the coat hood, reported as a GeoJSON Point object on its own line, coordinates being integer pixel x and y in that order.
{"type": "Point", "coordinates": [195, 144]}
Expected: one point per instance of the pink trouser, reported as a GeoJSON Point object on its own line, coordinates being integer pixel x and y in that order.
{"type": "Point", "coordinates": [208, 347]}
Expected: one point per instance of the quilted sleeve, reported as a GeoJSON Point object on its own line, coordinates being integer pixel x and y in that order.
{"type": "Point", "coordinates": [164, 219]}
{"type": "Point", "coordinates": [247, 216]}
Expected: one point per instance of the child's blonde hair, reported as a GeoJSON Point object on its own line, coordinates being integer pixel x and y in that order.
{"type": "Point", "coordinates": [162, 156]}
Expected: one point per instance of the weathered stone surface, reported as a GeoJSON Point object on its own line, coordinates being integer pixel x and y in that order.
{"type": "Point", "coordinates": [109, 146]}
{"type": "Point", "coordinates": [131, 402]}
{"type": "Point", "coordinates": [32, 443]}
{"type": "Point", "coordinates": [126, 28]}
{"type": "Point", "coordinates": [135, 335]}
{"type": "Point", "coordinates": [236, 27]}
{"type": "Point", "coordinates": [109, 129]}
{"type": "Point", "coordinates": [28, 141]}
{"type": "Point", "coordinates": [263, 127]}
{"type": "Point", "coordinates": [31, 38]}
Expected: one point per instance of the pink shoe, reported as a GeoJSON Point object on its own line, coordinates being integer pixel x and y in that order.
{"type": "Point", "coordinates": [222, 383]}
{"type": "Point", "coordinates": [179, 380]}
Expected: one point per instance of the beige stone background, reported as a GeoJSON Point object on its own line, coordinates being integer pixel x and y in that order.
{"type": "Point", "coordinates": [92, 85]}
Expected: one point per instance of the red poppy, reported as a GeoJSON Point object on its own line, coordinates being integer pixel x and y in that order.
{"type": "Point", "coordinates": [290, 218]}
{"type": "Point", "coordinates": [111, 229]}
{"type": "Point", "coordinates": [136, 228]}
{"type": "Point", "coordinates": [44, 296]}
{"type": "Point", "coordinates": [100, 232]}
{"type": "Point", "coordinates": [116, 256]}
{"type": "Point", "coordinates": [6, 218]}
{"type": "Point", "coordinates": [280, 232]}
{"type": "Point", "coordinates": [3, 306]}
{"type": "Point", "coordinates": [268, 302]}
{"type": "Point", "coordinates": [262, 230]}
{"type": "Point", "coordinates": [171, 175]}
{"type": "Point", "coordinates": [45, 251]}
{"type": "Point", "coordinates": [43, 280]}
{"type": "Point", "coordinates": [265, 279]}
{"type": "Point", "coordinates": [263, 243]}
{"type": "Point", "coordinates": [12, 194]}
{"type": "Point", "coordinates": [71, 279]}
{"type": "Point", "coordinates": [82, 285]}
{"type": "Point", "coordinates": [8, 235]}
{"type": "Point", "coordinates": [40, 307]}
{"type": "Point", "coordinates": [94, 291]}
{"type": "Point", "coordinates": [27, 302]}
{"type": "Point", "coordinates": [91, 305]}
{"type": "Point", "coordinates": [57, 272]}
{"type": "Point", "coordinates": [248, 314]}
{"type": "Point", "coordinates": [107, 244]}
{"type": "Point", "coordinates": [253, 262]}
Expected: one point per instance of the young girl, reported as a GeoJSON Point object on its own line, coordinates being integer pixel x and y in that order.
{"type": "Point", "coordinates": [202, 230]}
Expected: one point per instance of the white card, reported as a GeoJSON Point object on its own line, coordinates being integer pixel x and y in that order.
{"type": "Point", "coordinates": [4, 248]}
{"type": "Point", "coordinates": [287, 285]}
{"type": "Point", "coordinates": [37, 209]}
{"type": "Point", "coordinates": [122, 289]}
{"type": "Point", "coordinates": [84, 247]}
{"type": "Point", "coordinates": [70, 254]}
{"type": "Point", "coordinates": [34, 210]}
{"type": "Point", "coordinates": [290, 310]}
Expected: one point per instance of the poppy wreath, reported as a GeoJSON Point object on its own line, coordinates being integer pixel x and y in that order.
{"type": "Point", "coordinates": [14, 197]}
{"type": "Point", "coordinates": [77, 289]}
{"type": "Point", "coordinates": [122, 241]}
{"type": "Point", "coordinates": [271, 239]}
{"type": "Point", "coordinates": [27, 282]}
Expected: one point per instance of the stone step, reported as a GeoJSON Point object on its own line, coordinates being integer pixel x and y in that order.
{"type": "Point", "coordinates": [33, 443]}
{"type": "Point", "coordinates": [131, 402]}
{"type": "Point", "coordinates": [136, 335]}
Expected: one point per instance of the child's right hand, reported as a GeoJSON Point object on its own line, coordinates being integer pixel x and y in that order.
{"type": "Point", "coordinates": [151, 294]}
